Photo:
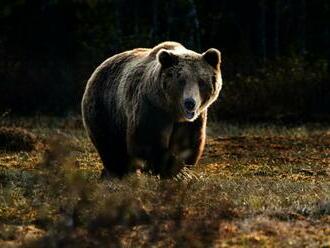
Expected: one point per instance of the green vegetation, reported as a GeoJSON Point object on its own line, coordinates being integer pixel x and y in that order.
{"type": "Point", "coordinates": [260, 185]}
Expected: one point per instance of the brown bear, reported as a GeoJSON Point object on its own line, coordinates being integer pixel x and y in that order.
{"type": "Point", "coordinates": [149, 107]}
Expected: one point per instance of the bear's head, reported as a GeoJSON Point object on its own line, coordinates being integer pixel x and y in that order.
{"type": "Point", "coordinates": [190, 81]}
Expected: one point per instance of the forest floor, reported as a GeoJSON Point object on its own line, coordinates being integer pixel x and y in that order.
{"type": "Point", "coordinates": [257, 185]}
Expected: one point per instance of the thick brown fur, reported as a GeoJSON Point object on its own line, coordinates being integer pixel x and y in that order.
{"type": "Point", "coordinates": [132, 108]}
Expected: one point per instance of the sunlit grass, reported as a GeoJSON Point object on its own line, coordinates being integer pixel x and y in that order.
{"type": "Point", "coordinates": [255, 186]}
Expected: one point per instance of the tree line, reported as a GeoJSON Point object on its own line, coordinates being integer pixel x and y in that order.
{"type": "Point", "coordinates": [48, 48]}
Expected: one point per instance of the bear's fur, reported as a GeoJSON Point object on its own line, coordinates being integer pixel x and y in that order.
{"type": "Point", "coordinates": [136, 108]}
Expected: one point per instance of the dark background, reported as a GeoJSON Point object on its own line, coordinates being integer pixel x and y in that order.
{"type": "Point", "coordinates": [275, 53]}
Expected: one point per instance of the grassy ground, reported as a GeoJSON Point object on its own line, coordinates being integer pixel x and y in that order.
{"type": "Point", "coordinates": [261, 185]}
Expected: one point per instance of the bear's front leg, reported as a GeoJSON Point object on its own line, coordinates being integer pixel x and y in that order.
{"type": "Point", "coordinates": [188, 139]}
{"type": "Point", "coordinates": [149, 141]}
{"type": "Point", "coordinates": [165, 164]}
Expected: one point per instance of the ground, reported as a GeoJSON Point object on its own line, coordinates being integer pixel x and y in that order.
{"type": "Point", "coordinates": [257, 185]}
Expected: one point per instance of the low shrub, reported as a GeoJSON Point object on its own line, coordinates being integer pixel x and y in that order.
{"type": "Point", "coordinates": [17, 139]}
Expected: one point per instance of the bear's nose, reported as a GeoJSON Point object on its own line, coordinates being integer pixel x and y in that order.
{"type": "Point", "coordinates": [189, 104]}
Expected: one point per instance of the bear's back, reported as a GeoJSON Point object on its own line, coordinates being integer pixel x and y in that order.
{"type": "Point", "coordinates": [167, 45]}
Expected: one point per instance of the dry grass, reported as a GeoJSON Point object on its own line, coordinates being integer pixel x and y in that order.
{"type": "Point", "coordinates": [256, 186]}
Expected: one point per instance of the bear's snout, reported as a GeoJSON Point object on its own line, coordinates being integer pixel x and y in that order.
{"type": "Point", "coordinates": [189, 104]}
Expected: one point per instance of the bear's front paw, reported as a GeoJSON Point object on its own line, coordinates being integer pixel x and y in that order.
{"type": "Point", "coordinates": [172, 167]}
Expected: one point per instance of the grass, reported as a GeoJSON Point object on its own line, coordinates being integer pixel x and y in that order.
{"type": "Point", "coordinates": [256, 186]}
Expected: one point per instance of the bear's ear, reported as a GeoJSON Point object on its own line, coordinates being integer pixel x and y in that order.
{"type": "Point", "coordinates": [166, 58]}
{"type": "Point", "coordinates": [212, 57]}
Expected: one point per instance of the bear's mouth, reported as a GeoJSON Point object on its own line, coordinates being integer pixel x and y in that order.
{"type": "Point", "coordinates": [189, 114]}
